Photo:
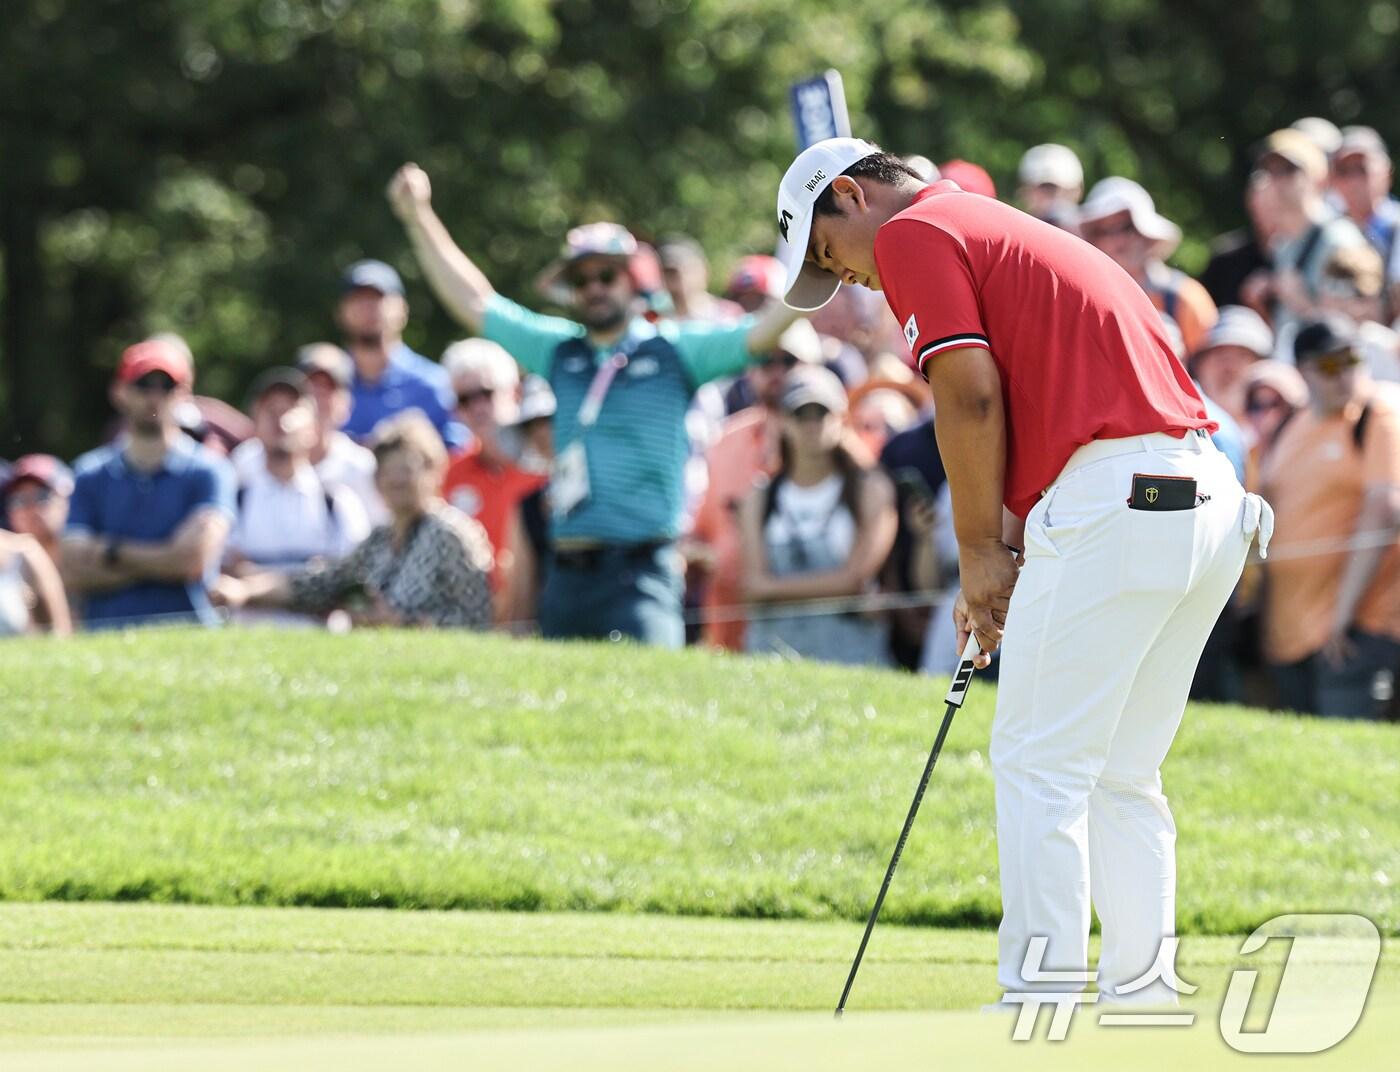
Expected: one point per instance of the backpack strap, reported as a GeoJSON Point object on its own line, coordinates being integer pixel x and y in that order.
{"type": "Point", "coordinates": [1358, 431]}
{"type": "Point", "coordinates": [1309, 247]}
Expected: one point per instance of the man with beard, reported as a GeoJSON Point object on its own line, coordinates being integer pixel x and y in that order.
{"type": "Point", "coordinates": [389, 377]}
{"type": "Point", "coordinates": [623, 386]}
{"type": "Point", "coordinates": [150, 511]}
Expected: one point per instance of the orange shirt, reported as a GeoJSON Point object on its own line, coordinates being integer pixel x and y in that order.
{"type": "Point", "coordinates": [1193, 309]}
{"type": "Point", "coordinates": [1316, 478]}
{"type": "Point", "coordinates": [746, 450]}
{"type": "Point", "coordinates": [490, 494]}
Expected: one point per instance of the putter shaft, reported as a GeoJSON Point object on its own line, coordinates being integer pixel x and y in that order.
{"type": "Point", "coordinates": [957, 692]}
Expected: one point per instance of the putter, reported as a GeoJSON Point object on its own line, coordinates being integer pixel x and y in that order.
{"type": "Point", "coordinates": [957, 692]}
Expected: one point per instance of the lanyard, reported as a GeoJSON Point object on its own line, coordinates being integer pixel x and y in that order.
{"type": "Point", "coordinates": [598, 389]}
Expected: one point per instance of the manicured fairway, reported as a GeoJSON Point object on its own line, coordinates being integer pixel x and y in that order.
{"type": "Point", "coordinates": [451, 771]}
{"type": "Point", "coordinates": [150, 986]}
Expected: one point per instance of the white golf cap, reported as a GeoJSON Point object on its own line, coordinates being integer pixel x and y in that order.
{"type": "Point", "coordinates": [1321, 132]}
{"type": "Point", "coordinates": [806, 286]}
{"type": "Point", "coordinates": [1117, 194]}
{"type": "Point", "coordinates": [1053, 164]}
{"type": "Point", "coordinates": [1242, 327]}
{"type": "Point", "coordinates": [801, 340]}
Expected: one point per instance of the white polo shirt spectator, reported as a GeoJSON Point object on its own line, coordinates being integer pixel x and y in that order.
{"type": "Point", "coordinates": [339, 461]}
{"type": "Point", "coordinates": [288, 518]}
{"type": "Point", "coordinates": [289, 524]}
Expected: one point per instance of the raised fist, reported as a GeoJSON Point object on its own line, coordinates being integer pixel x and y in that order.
{"type": "Point", "coordinates": [409, 191]}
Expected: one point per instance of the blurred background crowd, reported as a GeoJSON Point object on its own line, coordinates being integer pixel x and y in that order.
{"type": "Point", "coordinates": [752, 482]}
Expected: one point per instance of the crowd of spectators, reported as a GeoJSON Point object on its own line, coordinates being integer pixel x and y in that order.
{"type": "Point", "coordinates": [670, 464]}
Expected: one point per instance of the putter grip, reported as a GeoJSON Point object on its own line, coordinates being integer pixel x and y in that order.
{"type": "Point", "coordinates": [957, 688]}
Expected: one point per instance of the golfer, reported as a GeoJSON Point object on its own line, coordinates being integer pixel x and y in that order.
{"type": "Point", "coordinates": [1068, 429]}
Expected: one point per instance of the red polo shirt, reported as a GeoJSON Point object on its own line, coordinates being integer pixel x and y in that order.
{"type": "Point", "coordinates": [1080, 348]}
{"type": "Point", "coordinates": [490, 494]}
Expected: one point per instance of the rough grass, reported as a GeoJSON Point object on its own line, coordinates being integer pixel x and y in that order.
{"type": "Point", "coordinates": [451, 771]}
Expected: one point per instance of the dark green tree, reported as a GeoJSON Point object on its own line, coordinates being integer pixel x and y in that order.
{"type": "Point", "coordinates": [208, 166]}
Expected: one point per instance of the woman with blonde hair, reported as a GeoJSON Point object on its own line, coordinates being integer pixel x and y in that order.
{"type": "Point", "coordinates": [430, 565]}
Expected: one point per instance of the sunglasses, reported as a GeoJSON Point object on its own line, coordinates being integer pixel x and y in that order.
{"type": "Point", "coordinates": [1093, 233]}
{"type": "Point", "coordinates": [154, 381]}
{"type": "Point", "coordinates": [1335, 364]}
{"type": "Point", "coordinates": [582, 280]}
{"type": "Point", "coordinates": [466, 398]}
{"type": "Point", "coordinates": [37, 497]}
{"type": "Point", "coordinates": [811, 411]}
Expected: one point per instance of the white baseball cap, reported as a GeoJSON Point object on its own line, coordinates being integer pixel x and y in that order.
{"type": "Point", "coordinates": [806, 286]}
{"type": "Point", "coordinates": [1239, 326]}
{"type": "Point", "coordinates": [1116, 194]}
{"type": "Point", "coordinates": [1053, 164]}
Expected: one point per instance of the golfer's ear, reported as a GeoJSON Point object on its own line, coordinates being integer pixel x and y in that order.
{"type": "Point", "coordinates": [847, 189]}
{"type": "Point", "coordinates": [850, 189]}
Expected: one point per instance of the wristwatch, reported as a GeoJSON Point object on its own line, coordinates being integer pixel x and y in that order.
{"type": "Point", "coordinates": [111, 554]}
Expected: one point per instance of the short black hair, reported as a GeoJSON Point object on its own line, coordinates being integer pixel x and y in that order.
{"type": "Point", "coordinates": [881, 167]}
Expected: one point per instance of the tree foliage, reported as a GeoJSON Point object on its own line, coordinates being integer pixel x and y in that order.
{"type": "Point", "coordinates": [208, 166]}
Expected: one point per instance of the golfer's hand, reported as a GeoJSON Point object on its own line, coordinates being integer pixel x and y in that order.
{"type": "Point", "coordinates": [962, 621]}
{"type": "Point", "coordinates": [987, 572]}
{"type": "Point", "coordinates": [410, 192]}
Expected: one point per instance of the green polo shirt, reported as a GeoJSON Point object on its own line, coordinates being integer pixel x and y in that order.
{"type": "Point", "coordinates": [638, 448]}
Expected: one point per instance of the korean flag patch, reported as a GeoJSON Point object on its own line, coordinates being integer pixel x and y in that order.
{"type": "Point", "coordinates": [911, 331]}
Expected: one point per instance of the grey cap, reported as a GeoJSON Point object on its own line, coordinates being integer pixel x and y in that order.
{"type": "Point", "coordinates": [1239, 326]}
{"type": "Point", "coordinates": [376, 275]}
{"type": "Point", "coordinates": [813, 384]}
{"type": "Point", "coordinates": [279, 377]}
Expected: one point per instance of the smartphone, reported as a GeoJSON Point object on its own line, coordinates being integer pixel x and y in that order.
{"type": "Point", "coordinates": [912, 485]}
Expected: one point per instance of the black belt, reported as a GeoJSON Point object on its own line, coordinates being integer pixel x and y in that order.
{"type": "Point", "coordinates": [593, 558]}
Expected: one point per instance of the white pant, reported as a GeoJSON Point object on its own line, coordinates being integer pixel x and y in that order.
{"type": "Point", "coordinates": [1106, 626]}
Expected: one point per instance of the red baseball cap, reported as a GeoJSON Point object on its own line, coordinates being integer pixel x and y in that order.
{"type": "Point", "coordinates": [757, 272]}
{"type": "Point", "coordinates": [42, 469]}
{"type": "Point", "coordinates": [155, 355]}
{"type": "Point", "coordinates": [971, 177]}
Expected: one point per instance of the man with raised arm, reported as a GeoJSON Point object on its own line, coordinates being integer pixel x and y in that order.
{"type": "Point", "coordinates": [623, 385]}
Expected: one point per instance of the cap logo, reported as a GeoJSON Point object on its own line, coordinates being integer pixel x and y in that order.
{"type": "Point", "coordinates": [815, 179]}
{"type": "Point", "coordinates": [783, 222]}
